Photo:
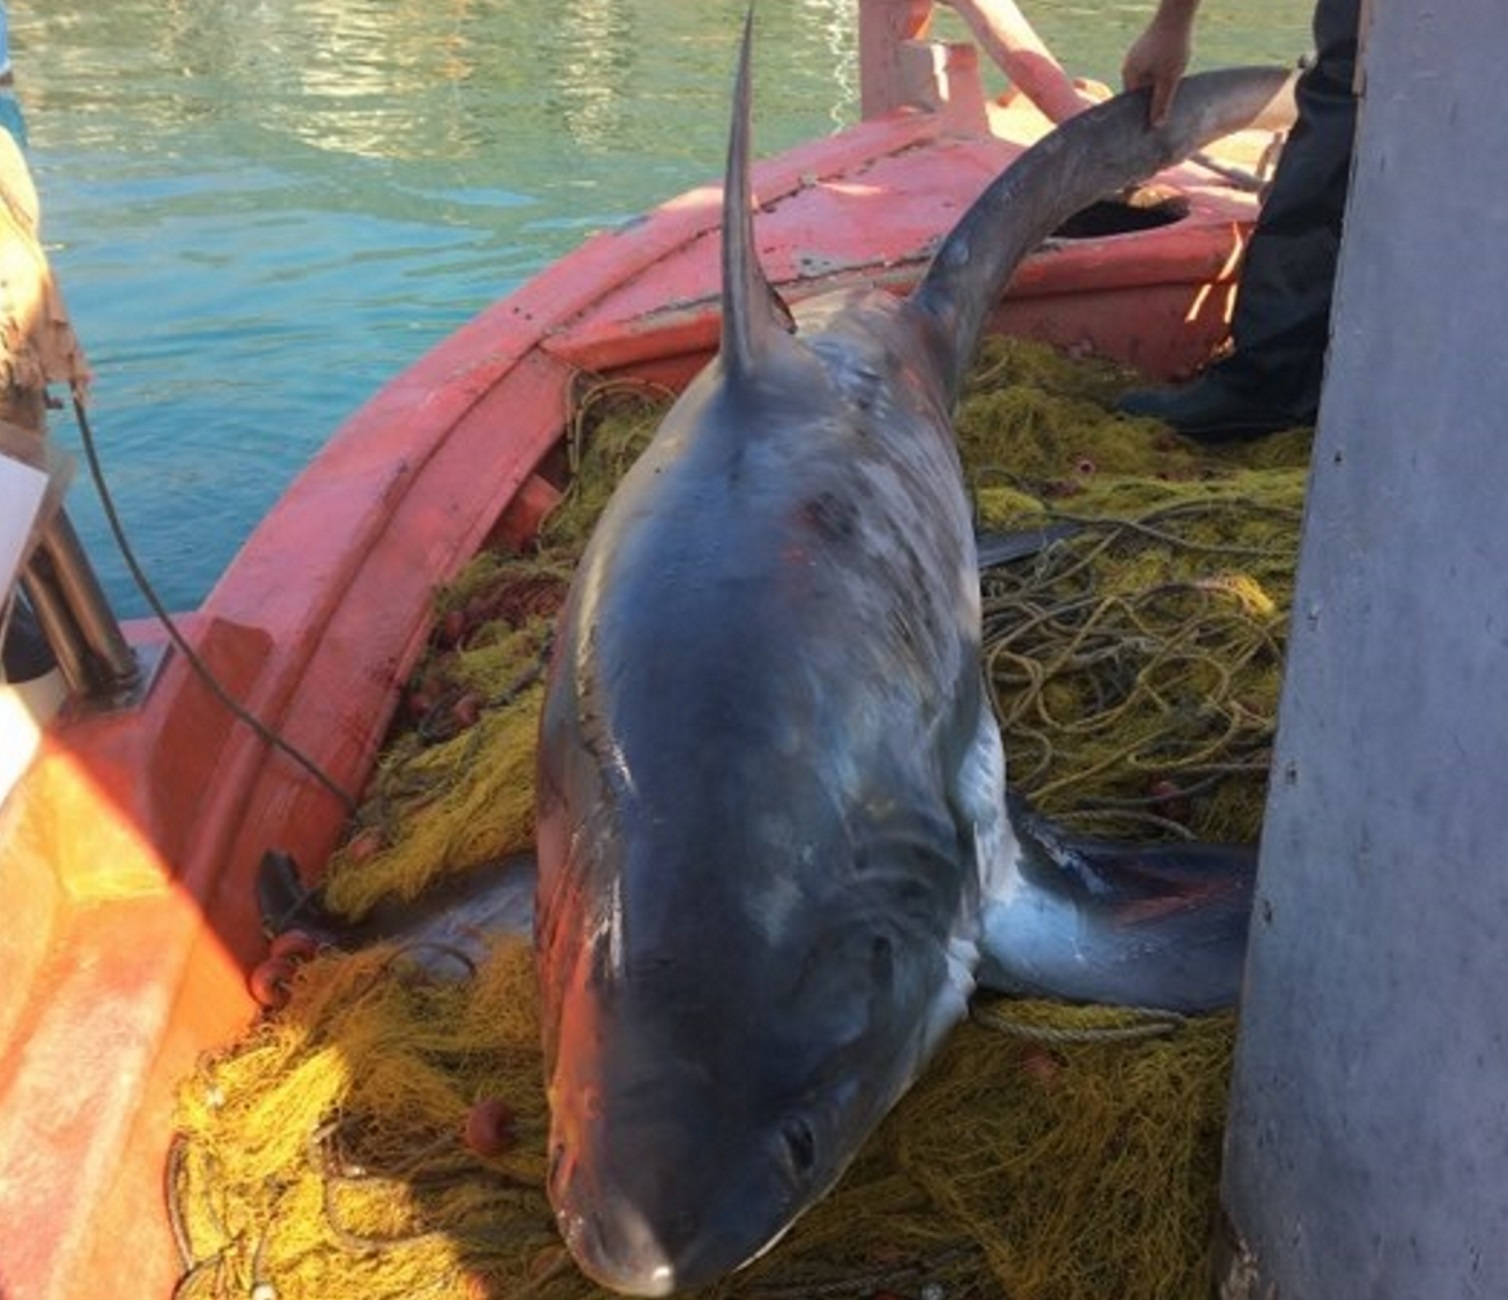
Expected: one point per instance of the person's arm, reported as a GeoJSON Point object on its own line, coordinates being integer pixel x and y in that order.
{"type": "Point", "coordinates": [1005, 35]}
{"type": "Point", "coordinates": [1158, 57]}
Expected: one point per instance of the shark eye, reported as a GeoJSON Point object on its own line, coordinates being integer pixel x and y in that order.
{"type": "Point", "coordinates": [800, 1146]}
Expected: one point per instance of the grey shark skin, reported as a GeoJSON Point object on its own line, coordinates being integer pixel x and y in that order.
{"type": "Point", "coordinates": [772, 824]}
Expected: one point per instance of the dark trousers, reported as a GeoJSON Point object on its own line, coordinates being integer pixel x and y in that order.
{"type": "Point", "coordinates": [1281, 323]}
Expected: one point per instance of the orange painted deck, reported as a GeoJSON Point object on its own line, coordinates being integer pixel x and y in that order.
{"type": "Point", "coordinates": [130, 848]}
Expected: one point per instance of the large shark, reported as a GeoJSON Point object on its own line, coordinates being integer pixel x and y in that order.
{"type": "Point", "coordinates": [775, 847]}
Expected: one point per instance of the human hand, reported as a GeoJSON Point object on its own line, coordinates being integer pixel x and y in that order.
{"type": "Point", "coordinates": [1156, 60]}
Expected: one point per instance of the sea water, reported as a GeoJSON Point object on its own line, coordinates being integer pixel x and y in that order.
{"type": "Point", "coordinates": [260, 210]}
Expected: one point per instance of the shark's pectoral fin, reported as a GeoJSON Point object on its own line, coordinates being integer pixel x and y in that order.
{"type": "Point", "coordinates": [1155, 925]}
{"type": "Point", "coordinates": [448, 929]}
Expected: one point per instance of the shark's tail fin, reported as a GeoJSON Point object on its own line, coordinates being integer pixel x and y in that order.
{"type": "Point", "coordinates": [1103, 149]}
{"type": "Point", "coordinates": [752, 311]}
{"type": "Point", "coordinates": [1091, 920]}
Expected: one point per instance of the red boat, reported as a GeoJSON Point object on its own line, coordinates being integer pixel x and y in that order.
{"type": "Point", "coordinates": [130, 840]}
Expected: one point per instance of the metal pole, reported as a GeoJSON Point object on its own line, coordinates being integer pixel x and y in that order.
{"type": "Point", "coordinates": [117, 667]}
{"type": "Point", "coordinates": [59, 629]}
{"type": "Point", "coordinates": [95, 659]}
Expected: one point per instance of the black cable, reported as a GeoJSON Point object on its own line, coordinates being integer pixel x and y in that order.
{"type": "Point", "coordinates": [202, 669]}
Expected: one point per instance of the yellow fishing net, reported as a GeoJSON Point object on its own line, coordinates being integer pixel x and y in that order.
{"type": "Point", "coordinates": [1050, 1152]}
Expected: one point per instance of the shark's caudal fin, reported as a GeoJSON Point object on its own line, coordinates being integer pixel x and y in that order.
{"type": "Point", "coordinates": [752, 311]}
{"type": "Point", "coordinates": [1103, 149]}
{"type": "Point", "coordinates": [1092, 920]}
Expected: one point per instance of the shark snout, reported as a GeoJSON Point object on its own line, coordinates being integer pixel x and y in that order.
{"type": "Point", "coordinates": [634, 1221]}
{"type": "Point", "coordinates": [651, 1209]}
{"type": "Point", "coordinates": [616, 1248]}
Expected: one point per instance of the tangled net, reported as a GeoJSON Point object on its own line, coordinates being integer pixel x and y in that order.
{"type": "Point", "coordinates": [1049, 1152]}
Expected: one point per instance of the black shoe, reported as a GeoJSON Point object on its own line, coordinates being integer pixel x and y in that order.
{"type": "Point", "coordinates": [1210, 410]}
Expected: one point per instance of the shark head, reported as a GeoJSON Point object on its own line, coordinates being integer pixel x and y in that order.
{"type": "Point", "coordinates": [714, 1070]}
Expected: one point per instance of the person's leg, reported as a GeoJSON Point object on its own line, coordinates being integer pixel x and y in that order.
{"type": "Point", "coordinates": [1271, 379]}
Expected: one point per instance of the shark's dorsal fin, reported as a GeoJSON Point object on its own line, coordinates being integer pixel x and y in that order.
{"type": "Point", "coordinates": [752, 310]}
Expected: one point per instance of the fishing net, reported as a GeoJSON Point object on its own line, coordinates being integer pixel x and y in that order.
{"type": "Point", "coordinates": [1049, 1152]}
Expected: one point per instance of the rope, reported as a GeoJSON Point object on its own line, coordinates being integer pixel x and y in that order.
{"type": "Point", "coordinates": [1132, 1025]}
{"type": "Point", "coordinates": [1121, 683]}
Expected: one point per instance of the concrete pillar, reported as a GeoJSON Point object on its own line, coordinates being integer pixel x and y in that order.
{"type": "Point", "coordinates": [1367, 1152]}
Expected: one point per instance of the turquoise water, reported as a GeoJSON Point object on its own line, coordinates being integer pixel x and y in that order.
{"type": "Point", "coordinates": [261, 209]}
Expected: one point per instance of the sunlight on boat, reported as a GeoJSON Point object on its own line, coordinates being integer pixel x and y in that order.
{"type": "Point", "coordinates": [853, 189]}
{"type": "Point", "coordinates": [1224, 282]}
{"type": "Point", "coordinates": [24, 711]}
{"type": "Point", "coordinates": [77, 821]}
{"type": "Point", "coordinates": [701, 197]}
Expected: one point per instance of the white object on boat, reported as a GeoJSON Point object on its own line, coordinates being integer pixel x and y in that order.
{"type": "Point", "coordinates": [24, 709]}
{"type": "Point", "coordinates": [22, 490]}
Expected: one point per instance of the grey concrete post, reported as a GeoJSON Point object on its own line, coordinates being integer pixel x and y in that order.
{"type": "Point", "coordinates": [1367, 1152]}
